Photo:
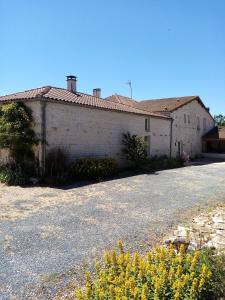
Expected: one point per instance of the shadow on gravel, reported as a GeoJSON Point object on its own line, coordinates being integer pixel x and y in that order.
{"type": "Point", "coordinates": [120, 175]}
{"type": "Point", "coordinates": [205, 161]}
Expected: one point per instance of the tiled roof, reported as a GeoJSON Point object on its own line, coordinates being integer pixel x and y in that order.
{"type": "Point", "coordinates": [166, 104]}
{"type": "Point", "coordinates": [122, 100]}
{"type": "Point", "coordinates": [217, 133]}
{"type": "Point", "coordinates": [59, 94]}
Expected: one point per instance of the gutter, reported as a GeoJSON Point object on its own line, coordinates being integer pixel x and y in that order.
{"type": "Point", "coordinates": [171, 136]}
{"type": "Point", "coordinates": [43, 136]}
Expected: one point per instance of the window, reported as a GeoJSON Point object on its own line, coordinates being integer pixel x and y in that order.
{"type": "Point", "coordinates": [204, 124]}
{"type": "Point", "coordinates": [185, 119]}
{"type": "Point", "coordinates": [147, 124]}
{"type": "Point", "coordinates": [189, 119]}
{"type": "Point", "coordinates": [198, 123]}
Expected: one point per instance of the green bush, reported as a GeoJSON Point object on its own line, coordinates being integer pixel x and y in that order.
{"type": "Point", "coordinates": [156, 164]}
{"type": "Point", "coordinates": [93, 168]}
{"type": "Point", "coordinates": [16, 132]}
{"type": "Point", "coordinates": [161, 274]}
{"type": "Point", "coordinates": [135, 149]}
{"type": "Point", "coordinates": [14, 175]}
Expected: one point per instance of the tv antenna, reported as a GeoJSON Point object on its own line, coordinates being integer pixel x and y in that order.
{"type": "Point", "coordinates": [130, 85]}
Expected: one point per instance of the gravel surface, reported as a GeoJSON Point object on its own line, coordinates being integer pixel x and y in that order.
{"type": "Point", "coordinates": [45, 231]}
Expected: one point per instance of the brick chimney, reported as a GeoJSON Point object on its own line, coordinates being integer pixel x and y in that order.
{"type": "Point", "coordinates": [71, 83]}
{"type": "Point", "coordinates": [97, 92]}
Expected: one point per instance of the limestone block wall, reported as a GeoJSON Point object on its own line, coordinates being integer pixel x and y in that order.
{"type": "Point", "coordinates": [87, 132]}
{"type": "Point", "coordinates": [35, 106]}
{"type": "Point", "coordinates": [190, 133]}
{"type": "Point", "coordinates": [159, 137]}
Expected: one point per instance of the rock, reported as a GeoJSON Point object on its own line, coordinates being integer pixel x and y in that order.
{"type": "Point", "coordinates": [182, 231]}
{"type": "Point", "coordinates": [220, 226]}
{"type": "Point", "coordinates": [209, 244]}
{"type": "Point", "coordinates": [218, 219]}
{"type": "Point", "coordinates": [193, 245]}
{"type": "Point", "coordinates": [220, 232]}
{"type": "Point", "coordinates": [34, 180]}
{"type": "Point", "coordinates": [206, 230]}
{"type": "Point", "coordinates": [201, 220]}
{"type": "Point", "coordinates": [218, 242]}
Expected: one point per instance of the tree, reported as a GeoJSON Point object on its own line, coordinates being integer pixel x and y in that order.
{"type": "Point", "coordinates": [16, 133]}
{"type": "Point", "coordinates": [220, 120]}
{"type": "Point", "coordinates": [135, 148]}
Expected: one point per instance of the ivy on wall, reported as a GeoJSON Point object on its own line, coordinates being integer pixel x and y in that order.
{"type": "Point", "coordinates": [16, 132]}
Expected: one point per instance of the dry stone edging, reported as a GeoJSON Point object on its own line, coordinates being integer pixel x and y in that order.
{"type": "Point", "coordinates": [205, 230]}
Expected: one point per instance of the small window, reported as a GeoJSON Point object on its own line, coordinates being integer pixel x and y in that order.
{"type": "Point", "coordinates": [147, 124]}
{"type": "Point", "coordinates": [198, 123]}
{"type": "Point", "coordinates": [204, 124]}
{"type": "Point", "coordinates": [189, 119]}
{"type": "Point", "coordinates": [185, 119]}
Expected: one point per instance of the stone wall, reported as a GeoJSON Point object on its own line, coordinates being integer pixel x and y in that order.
{"type": "Point", "coordinates": [160, 137]}
{"type": "Point", "coordinates": [35, 106]}
{"type": "Point", "coordinates": [86, 132]}
{"type": "Point", "coordinates": [188, 134]}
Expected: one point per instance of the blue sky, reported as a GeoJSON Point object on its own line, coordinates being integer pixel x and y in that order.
{"type": "Point", "coordinates": [165, 47]}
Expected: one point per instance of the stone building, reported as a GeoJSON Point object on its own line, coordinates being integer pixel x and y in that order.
{"type": "Point", "coordinates": [88, 126]}
{"type": "Point", "coordinates": [190, 120]}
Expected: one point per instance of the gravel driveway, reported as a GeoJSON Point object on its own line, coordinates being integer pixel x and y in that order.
{"type": "Point", "coordinates": [44, 231]}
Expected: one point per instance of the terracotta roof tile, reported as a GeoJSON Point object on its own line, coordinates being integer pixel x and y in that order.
{"type": "Point", "coordinates": [166, 104]}
{"type": "Point", "coordinates": [163, 106]}
{"type": "Point", "coordinates": [122, 100]}
{"type": "Point", "coordinates": [60, 94]}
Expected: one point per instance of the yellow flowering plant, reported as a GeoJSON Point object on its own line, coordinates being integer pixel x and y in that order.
{"type": "Point", "coordinates": [161, 274]}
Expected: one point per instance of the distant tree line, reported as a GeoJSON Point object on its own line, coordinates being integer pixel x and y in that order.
{"type": "Point", "coordinates": [220, 120]}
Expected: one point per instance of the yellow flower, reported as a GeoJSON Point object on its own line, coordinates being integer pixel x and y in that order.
{"type": "Point", "coordinates": [144, 293]}
{"type": "Point", "coordinates": [120, 246]}
{"type": "Point", "coordinates": [111, 291]}
{"type": "Point", "coordinates": [136, 259]}
{"type": "Point", "coordinates": [113, 257]}
{"type": "Point", "coordinates": [179, 271]}
{"type": "Point", "coordinates": [177, 295]}
{"type": "Point", "coordinates": [201, 283]}
{"type": "Point", "coordinates": [97, 267]}
{"type": "Point", "coordinates": [136, 293]}
{"type": "Point", "coordinates": [79, 294]}
{"type": "Point", "coordinates": [194, 288]}
{"type": "Point", "coordinates": [106, 258]}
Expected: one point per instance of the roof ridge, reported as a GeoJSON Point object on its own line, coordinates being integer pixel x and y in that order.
{"type": "Point", "coordinates": [77, 93]}
{"type": "Point", "coordinates": [29, 90]}
{"type": "Point", "coordinates": [170, 98]}
{"type": "Point", "coordinates": [139, 109]}
{"type": "Point", "coordinates": [125, 97]}
{"type": "Point", "coordinates": [62, 94]}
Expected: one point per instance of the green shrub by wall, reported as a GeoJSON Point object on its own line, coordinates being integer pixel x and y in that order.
{"type": "Point", "coordinates": [93, 168]}
{"type": "Point", "coordinates": [14, 175]}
